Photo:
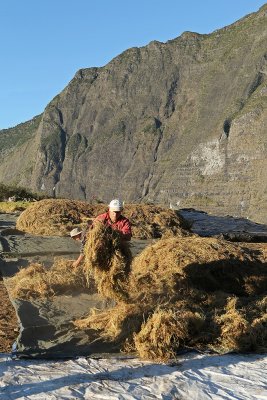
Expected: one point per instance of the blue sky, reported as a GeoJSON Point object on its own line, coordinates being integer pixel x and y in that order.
{"type": "Point", "coordinates": [44, 42]}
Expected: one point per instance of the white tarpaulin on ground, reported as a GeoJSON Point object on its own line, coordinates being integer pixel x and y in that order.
{"type": "Point", "coordinates": [193, 377]}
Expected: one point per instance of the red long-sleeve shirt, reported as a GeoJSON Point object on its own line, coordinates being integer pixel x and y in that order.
{"type": "Point", "coordinates": [122, 224]}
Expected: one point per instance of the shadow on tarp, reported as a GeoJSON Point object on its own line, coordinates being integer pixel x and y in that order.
{"type": "Point", "coordinates": [122, 373]}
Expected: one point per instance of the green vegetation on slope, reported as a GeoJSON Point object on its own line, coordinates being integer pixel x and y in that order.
{"type": "Point", "coordinates": [16, 136]}
{"type": "Point", "coordinates": [7, 191]}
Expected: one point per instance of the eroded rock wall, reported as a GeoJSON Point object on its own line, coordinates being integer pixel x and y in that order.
{"type": "Point", "coordinates": [181, 123]}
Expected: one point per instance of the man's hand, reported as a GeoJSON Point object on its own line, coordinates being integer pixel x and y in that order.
{"type": "Point", "coordinates": [75, 264]}
{"type": "Point", "coordinates": [78, 261]}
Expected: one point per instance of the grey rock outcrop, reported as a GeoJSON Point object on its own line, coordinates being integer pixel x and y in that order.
{"type": "Point", "coordinates": [181, 123]}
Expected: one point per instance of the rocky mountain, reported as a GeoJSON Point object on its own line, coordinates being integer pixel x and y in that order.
{"type": "Point", "coordinates": [182, 123]}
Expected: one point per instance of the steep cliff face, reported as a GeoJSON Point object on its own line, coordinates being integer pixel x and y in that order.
{"type": "Point", "coordinates": [182, 122]}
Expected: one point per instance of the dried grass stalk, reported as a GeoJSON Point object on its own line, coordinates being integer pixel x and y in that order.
{"type": "Point", "coordinates": [198, 292]}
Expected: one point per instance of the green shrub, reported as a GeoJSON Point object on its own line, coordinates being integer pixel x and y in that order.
{"type": "Point", "coordinates": [19, 193]}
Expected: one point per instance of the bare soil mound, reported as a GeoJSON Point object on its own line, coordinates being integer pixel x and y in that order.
{"type": "Point", "coordinates": [59, 216]}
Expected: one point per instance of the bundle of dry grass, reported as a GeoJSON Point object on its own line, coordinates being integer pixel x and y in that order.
{"type": "Point", "coordinates": [242, 323]}
{"type": "Point", "coordinates": [107, 260]}
{"type": "Point", "coordinates": [63, 278]}
{"type": "Point", "coordinates": [55, 216]}
{"type": "Point", "coordinates": [37, 281]}
{"type": "Point", "coordinates": [117, 325]}
{"type": "Point", "coordinates": [29, 283]}
{"type": "Point", "coordinates": [165, 332]}
{"type": "Point", "coordinates": [182, 291]}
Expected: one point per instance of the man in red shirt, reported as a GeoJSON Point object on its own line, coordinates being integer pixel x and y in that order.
{"type": "Point", "coordinates": [114, 218]}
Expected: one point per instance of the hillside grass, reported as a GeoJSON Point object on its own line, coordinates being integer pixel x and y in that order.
{"type": "Point", "coordinates": [12, 206]}
{"type": "Point", "coordinates": [21, 198]}
{"type": "Point", "coordinates": [16, 136]}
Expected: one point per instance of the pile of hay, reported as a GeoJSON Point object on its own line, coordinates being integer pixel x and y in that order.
{"type": "Point", "coordinates": [107, 261]}
{"type": "Point", "coordinates": [206, 264]}
{"type": "Point", "coordinates": [59, 216]}
{"type": "Point", "coordinates": [37, 281]}
{"type": "Point", "coordinates": [189, 292]}
{"type": "Point", "coordinates": [150, 221]}
{"type": "Point", "coordinates": [55, 216]}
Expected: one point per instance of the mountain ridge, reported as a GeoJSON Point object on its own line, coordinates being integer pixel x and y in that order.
{"type": "Point", "coordinates": [181, 122]}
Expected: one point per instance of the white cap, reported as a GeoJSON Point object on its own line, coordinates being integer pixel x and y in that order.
{"type": "Point", "coordinates": [115, 205]}
{"type": "Point", "coordinates": [75, 232]}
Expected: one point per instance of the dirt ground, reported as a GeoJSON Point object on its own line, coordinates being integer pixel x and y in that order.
{"type": "Point", "coordinates": [8, 321]}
